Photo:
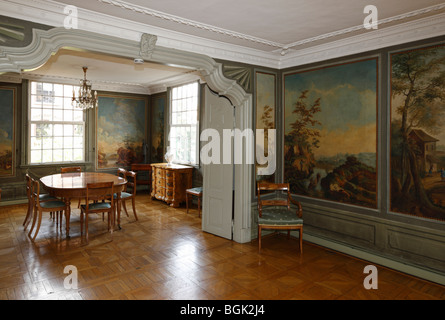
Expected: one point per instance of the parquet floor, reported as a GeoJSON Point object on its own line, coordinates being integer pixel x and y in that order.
{"type": "Point", "coordinates": [166, 256]}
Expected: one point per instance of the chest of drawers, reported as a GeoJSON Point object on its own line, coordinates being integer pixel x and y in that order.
{"type": "Point", "coordinates": [169, 182]}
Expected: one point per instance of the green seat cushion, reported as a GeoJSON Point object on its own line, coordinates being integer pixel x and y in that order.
{"type": "Point", "coordinates": [196, 190]}
{"type": "Point", "coordinates": [44, 197]}
{"type": "Point", "coordinates": [52, 204]}
{"type": "Point", "coordinates": [97, 206]}
{"type": "Point", "coordinates": [279, 216]}
{"type": "Point", "coordinates": [123, 195]}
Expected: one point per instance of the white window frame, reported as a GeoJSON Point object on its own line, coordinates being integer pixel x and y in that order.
{"type": "Point", "coordinates": [66, 98]}
{"type": "Point", "coordinates": [188, 104]}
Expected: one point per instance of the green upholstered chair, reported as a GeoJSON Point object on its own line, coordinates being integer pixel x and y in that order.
{"type": "Point", "coordinates": [277, 214]}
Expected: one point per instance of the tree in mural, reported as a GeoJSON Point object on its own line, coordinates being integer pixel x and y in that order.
{"type": "Point", "coordinates": [299, 159]}
{"type": "Point", "coordinates": [267, 120]}
{"type": "Point", "coordinates": [417, 84]}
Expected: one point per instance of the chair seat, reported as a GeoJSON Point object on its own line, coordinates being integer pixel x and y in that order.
{"type": "Point", "coordinates": [44, 197]}
{"type": "Point", "coordinates": [52, 204]}
{"type": "Point", "coordinates": [279, 217]}
{"type": "Point", "coordinates": [97, 206]}
{"type": "Point", "coordinates": [196, 191]}
{"type": "Point", "coordinates": [123, 195]}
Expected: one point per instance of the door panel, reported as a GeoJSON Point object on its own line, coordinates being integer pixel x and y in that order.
{"type": "Point", "coordinates": [217, 177]}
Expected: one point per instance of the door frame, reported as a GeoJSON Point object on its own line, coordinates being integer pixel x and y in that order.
{"type": "Point", "coordinates": [46, 42]}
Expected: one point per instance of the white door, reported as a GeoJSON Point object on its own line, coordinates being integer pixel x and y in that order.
{"type": "Point", "coordinates": [217, 195]}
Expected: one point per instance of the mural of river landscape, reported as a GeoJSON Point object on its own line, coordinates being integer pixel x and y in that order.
{"type": "Point", "coordinates": [7, 120]}
{"type": "Point", "coordinates": [330, 132]}
{"type": "Point", "coordinates": [120, 131]}
{"type": "Point", "coordinates": [418, 132]}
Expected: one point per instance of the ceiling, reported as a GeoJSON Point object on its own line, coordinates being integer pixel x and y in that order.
{"type": "Point", "coordinates": [264, 29]}
{"type": "Point", "coordinates": [264, 25]}
{"type": "Point", "coordinates": [108, 72]}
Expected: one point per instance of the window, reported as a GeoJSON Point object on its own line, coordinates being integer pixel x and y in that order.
{"type": "Point", "coordinates": [184, 122]}
{"type": "Point", "coordinates": [56, 129]}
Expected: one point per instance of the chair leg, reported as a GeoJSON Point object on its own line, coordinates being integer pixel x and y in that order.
{"type": "Point", "coordinates": [29, 215]}
{"type": "Point", "coordinates": [125, 208]}
{"type": "Point", "coordinates": [199, 206]}
{"type": "Point", "coordinates": [301, 240]}
{"type": "Point", "coordinates": [133, 202]}
{"type": "Point", "coordinates": [34, 219]}
{"type": "Point", "coordinates": [38, 226]}
{"type": "Point", "coordinates": [259, 238]}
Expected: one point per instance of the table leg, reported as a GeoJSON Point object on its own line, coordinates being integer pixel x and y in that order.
{"type": "Point", "coordinates": [67, 216]}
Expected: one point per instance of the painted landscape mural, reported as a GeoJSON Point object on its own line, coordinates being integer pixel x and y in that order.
{"type": "Point", "coordinates": [120, 131]}
{"type": "Point", "coordinates": [7, 101]}
{"type": "Point", "coordinates": [418, 132]}
{"type": "Point", "coordinates": [265, 115]}
{"type": "Point", "coordinates": [330, 133]}
{"type": "Point", "coordinates": [157, 126]}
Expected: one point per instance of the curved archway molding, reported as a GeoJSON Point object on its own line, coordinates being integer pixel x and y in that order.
{"type": "Point", "coordinates": [47, 42]}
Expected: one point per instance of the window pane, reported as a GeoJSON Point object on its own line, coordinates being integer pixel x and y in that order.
{"type": "Point", "coordinates": [36, 114]}
{"type": "Point", "coordinates": [68, 142]}
{"type": "Point", "coordinates": [58, 115]}
{"type": "Point", "coordinates": [78, 154]}
{"type": "Point", "coordinates": [50, 140]}
{"type": "Point", "coordinates": [68, 155]}
{"type": "Point", "coordinates": [58, 90]}
{"type": "Point", "coordinates": [47, 115]}
{"type": "Point", "coordinates": [58, 142]}
{"type": "Point", "coordinates": [58, 130]}
{"type": "Point", "coordinates": [47, 156]}
{"type": "Point", "coordinates": [78, 115]}
{"type": "Point", "coordinates": [58, 103]}
{"type": "Point", "coordinates": [58, 155]}
{"type": "Point", "coordinates": [36, 156]}
{"type": "Point", "coordinates": [184, 123]}
{"type": "Point", "coordinates": [68, 130]}
{"type": "Point", "coordinates": [36, 143]}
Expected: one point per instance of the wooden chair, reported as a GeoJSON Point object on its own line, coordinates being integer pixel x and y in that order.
{"type": "Point", "coordinates": [277, 214]}
{"type": "Point", "coordinates": [196, 192]}
{"type": "Point", "coordinates": [31, 202]}
{"type": "Point", "coordinates": [129, 192]}
{"type": "Point", "coordinates": [72, 170]}
{"type": "Point", "coordinates": [56, 206]}
{"type": "Point", "coordinates": [99, 199]}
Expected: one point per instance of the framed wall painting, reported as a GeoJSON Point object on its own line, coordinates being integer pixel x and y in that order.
{"type": "Point", "coordinates": [7, 131]}
{"type": "Point", "coordinates": [417, 139]}
{"type": "Point", "coordinates": [330, 132]}
{"type": "Point", "coordinates": [157, 129]}
{"type": "Point", "coordinates": [120, 130]}
{"type": "Point", "coordinates": [265, 94]}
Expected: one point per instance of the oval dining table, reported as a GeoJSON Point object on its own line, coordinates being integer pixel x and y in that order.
{"type": "Point", "coordinates": [74, 185]}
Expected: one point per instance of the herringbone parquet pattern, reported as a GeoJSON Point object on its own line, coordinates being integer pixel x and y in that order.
{"type": "Point", "coordinates": [165, 255]}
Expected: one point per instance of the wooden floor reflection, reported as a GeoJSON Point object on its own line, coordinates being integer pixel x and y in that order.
{"type": "Point", "coordinates": [165, 255]}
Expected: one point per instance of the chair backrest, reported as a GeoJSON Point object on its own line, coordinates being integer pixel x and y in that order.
{"type": "Point", "coordinates": [100, 191]}
{"type": "Point", "coordinates": [121, 172]}
{"type": "Point", "coordinates": [29, 186]}
{"type": "Point", "coordinates": [131, 182]}
{"type": "Point", "coordinates": [70, 169]}
{"type": "Point", "coordinates": [35, 190]}
{"type": "Point", "coordinates": [267, 187]}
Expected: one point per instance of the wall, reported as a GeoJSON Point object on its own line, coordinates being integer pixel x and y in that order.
{"type": "Point", "coordinates": [13, 188]}
{"type": "Point", "coordinates": [410, 244]}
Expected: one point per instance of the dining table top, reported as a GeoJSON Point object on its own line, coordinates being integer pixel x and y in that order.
{"type": "Point", "coordinates": [79, 180]}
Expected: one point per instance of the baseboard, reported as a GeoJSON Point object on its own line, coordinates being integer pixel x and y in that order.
{"type": "Point", "coordinates": [413, 270]}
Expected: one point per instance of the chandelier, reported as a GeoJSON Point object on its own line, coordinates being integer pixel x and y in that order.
{"type": "Point", "coordinates": [86, 99]}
